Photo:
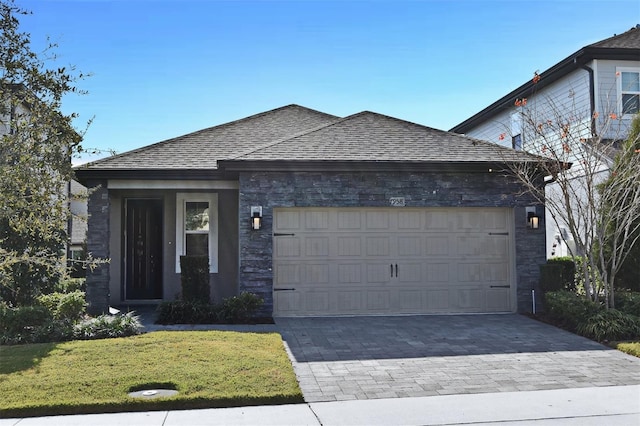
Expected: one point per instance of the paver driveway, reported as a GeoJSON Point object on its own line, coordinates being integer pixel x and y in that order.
{"type": "Point", "coordinates": [386, 357]}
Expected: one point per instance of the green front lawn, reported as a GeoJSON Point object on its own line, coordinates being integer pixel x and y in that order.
{"type": "Point", "coordinates": [207, 368]}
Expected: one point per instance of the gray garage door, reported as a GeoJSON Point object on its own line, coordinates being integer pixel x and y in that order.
{"type": "Point", "coordinates": [364, 261]}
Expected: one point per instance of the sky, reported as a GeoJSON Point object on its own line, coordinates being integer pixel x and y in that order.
{"type": "Point", "coordinates": [163, 68]}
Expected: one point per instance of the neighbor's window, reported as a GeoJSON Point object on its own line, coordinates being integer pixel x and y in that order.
{"type": "Point", "coordinates": [197, 228]}
{"type": "Point", "coordinates": [629, 84]}
{"type": "Point", "coordinates": [516, 142]}
{"type": "Point", "coordinates": [516, 130]}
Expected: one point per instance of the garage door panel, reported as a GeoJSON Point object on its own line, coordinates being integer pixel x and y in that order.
{"type": "Point", "coordinates": [482, 272]}
{"type": "Point", "coordinates": [469, 299]}
{"type": "Point", "coordinates": [286, 273]}
{"type": "Point", "coordinates": [410, 272]}
{"type": "Point", "coordinates": [410, 220]}
{"type": "Point", "coordinates": [409, 246]}
{"type": "Point", "coordinates": [349, 273]}
{"type": "Point", "coordinates": [497, 299]}
{"type": "Point", "coordinates": [438, 300]}
{"type": "Point", "coordinates": [287, 247]}
{"type": "Point", "coordinates": [378, 246]}
{"type": "Point", "coordinates": [378, 300]}
{"type": "Point", "coordinates": [349, 220]}
{"type": "Point", "coordinates": [316, 246]}
{"type": "Point", "coordinates": [379, 272]}
{"type": "Point", "coordinates": [437, 245]}
{"type": "Point", "coordinates": [286, 220]}
{"type": "Point", "coordinates": [437, 221]}
{"type": "Point", "coordinates": [316, 273]}
{"type": "Point", "coordinates": [316, 301]}
{"type": "Point", "coordinates": [392, 260]}
{"type": "Point", "coordinates": [349, 301]}
{"type": "Point", "coordinates": [497, 247]}
{"type": "Point", "coordinates": [287, 302]}
{"type": "Point", "coordinates": [377, 220]}
{"type": "Point", "coordinates": [410, 300]}
{"type": "Point", "coordinates": [438, 272]}
{"type": "Point", "coordinates": [349, 246]}
{"type": "Point", "coordinates": [316, 220]}
{"type": "Point", "coordinates": [469, 245]}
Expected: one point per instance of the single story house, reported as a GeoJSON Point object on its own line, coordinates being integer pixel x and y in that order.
{"type": "Point", "coordinates": [318, 215]}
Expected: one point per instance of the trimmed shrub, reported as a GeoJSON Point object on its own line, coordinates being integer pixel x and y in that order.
{"type": "Point", "coordinates": [31, 324]}
{"type": "Point", "coordinates": [629, 275]}
{"type": "Point", "coordinates": [239, 309]}
{"type": "Point", "coordinates": [186, 312]}
{"type": "Point", "coordinates": [108, 326]}
{"type": "Point", "coordinates": [609, 325]}
{"type": "Point", "coordinates": [551, 278]}
{"type": "Point", "coordinates": [567, 277]}
{"type": "Point", "coordinates": [233, 310]}
{"type": "Point", "coordinates": [65, 306]}
{"type": "Point", "coordinates": [568, 309]}
{"type": "Point", "coordinates": [18, 320]}
{"type": "Point", "coordinates": [194, 278]}
{"type": "Point", "coordinates": [628, 302]}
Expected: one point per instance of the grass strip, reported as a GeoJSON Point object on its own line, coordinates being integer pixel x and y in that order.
{"type": "Point", "coordinates": [207, 368]}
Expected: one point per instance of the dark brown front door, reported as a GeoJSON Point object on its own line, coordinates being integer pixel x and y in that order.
{"type": "Point", "coordinates": [143, 241]}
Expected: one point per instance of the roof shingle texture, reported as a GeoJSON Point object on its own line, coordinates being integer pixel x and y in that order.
{"type": "Point", "coordinates": [204, 148]}
{"type": "Point", "coordinates": [627, 40]}
{"type": "Point", "coordinates": [368, 136]}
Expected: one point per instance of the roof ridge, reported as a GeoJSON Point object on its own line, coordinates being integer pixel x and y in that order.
{"type": "Point", "coordinates": [472, 140]}
{"type": "Point", "coordinates": [287, 138]}
{"type": "Point", "coordinates": [316, 129]}
{"type": "Point", "coordinates": [500, 149]}
{"type": "Point", "coordinates": [207, 129]}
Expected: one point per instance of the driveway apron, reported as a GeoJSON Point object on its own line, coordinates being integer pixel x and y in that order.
{"type": "Point", "coordinates": [346, 358]}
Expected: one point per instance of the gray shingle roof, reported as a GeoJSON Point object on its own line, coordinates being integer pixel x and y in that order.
{"type": "Point", "coordinates": [297, 135]}
{"type": "Point", "coordinates": [628, 40]}
{"type": "Point", "coordinates": [204, 148]}
{"type": "Point", "coordinates": [368, 136]}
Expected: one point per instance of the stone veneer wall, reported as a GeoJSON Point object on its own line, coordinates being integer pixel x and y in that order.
{"type": "Point", "coordinates": [373, 189]}
{"type": "Point", "coordinates": [98, 247]}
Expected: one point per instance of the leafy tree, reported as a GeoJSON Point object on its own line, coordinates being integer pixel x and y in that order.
{"type": "Point", "coordinates": [623, 184]}
{"type": "Point", "coordinates": [596, 198]}
{"type": "Point", "coordinates": [37, 142]}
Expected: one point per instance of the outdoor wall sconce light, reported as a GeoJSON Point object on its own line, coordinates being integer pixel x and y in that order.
{"type": "Point", "coordinates": [256, 217]}
{"type": "Point", "coordinates": [533, 220]}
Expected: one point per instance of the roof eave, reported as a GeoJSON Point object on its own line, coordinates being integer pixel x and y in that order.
{"type": "Point", "coordinates": [360, 166]}
{"type": "Point", "coordinates": [84, 175]}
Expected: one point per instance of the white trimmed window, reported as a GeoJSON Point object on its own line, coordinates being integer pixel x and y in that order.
{"type": "Point", "coordinates": [516, 131]}
{"type": "Point", "coordinates": [197, 227]}
{"type": "Point", "coordinates": [629, 89]}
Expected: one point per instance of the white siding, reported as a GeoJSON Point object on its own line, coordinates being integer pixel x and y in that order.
{"type": "Point", "coordinates": [608, 98]}
{"type": "Point", "coordinates": [568, 96]}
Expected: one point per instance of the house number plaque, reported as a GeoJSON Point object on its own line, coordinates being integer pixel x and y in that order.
{"type": "Point", "coordinates": [397, 201]}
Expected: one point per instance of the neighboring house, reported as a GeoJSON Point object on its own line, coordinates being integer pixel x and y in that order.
{"type": "Point", "coordinates": [77, 231]}
{"type": "Point", "coordinates": [365, 214]}
{"type": "Point", "coordinates": [599, 81]}
{"type": "Point", "coordinates": [74, 191]}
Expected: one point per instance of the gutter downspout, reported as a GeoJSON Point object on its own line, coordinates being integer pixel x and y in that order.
{"type": "Point", "coordinates": [592, 98]}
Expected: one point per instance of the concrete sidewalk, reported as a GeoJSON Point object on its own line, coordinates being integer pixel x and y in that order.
{"type": "Point", "coordinates": [613, 405]}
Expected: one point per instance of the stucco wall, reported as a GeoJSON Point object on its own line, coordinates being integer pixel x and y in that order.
{"type": "Point", "coordinates": [353, 189]}
{"type": "Point", "coordinates": [105, 284]}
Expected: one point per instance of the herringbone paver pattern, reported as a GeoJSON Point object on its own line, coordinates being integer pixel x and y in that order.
{"type": "Point", "coordinates": [387, 357]}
